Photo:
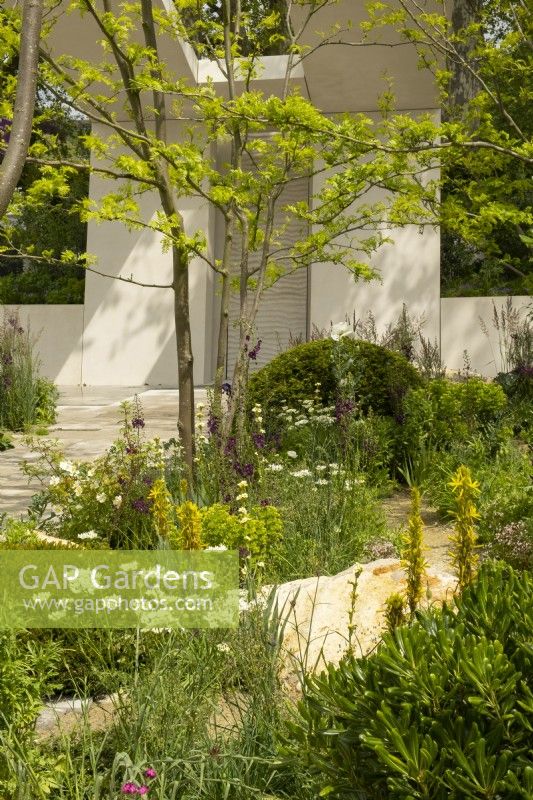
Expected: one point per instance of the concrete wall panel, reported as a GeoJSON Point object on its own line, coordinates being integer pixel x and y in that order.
{"type": "Point", "coordinates": [463, 319]}
{"type": "Point", "coordinates": [58, 331]}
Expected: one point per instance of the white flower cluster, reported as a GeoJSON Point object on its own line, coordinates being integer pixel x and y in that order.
{"type": "Point", "coordinates": [311, 412]}
{"type": "Point", "coordinates": [302, 473]}
{"type": "Point", "coordinates": [88, 535]}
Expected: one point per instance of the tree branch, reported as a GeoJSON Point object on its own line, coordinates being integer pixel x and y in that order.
{"type": "Point", "coordinates": [21, 127]}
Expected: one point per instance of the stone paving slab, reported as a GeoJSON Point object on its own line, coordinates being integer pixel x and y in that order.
{"type": "Point", "coordinates": [89, 420]}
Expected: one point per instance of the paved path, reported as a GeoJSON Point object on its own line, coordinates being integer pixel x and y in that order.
{"type": "Point", "coordinates": [88, 422]}
{"type": "Point", "coordinates": [436, 532]}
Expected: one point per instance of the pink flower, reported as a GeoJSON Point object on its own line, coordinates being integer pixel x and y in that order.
{"type": "Point", "coordinates": [150, 773]}
{"type": "Point", "coordinates": [143, 790]}
{"type": "Point", "coordinates": [129, 788]}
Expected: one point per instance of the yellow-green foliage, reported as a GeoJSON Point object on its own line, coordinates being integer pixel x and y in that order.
{"type": "Point", "coordinates": [189, 536]}
{"type": "Point", "coordinates": [259, 531]}
{"type": "Point", "coordinates": [394, 611]}
{"type": "Point", "coordinates": [163, 511]}
{"type": "Point", "coordinates": [412, 555]}
{"type": "Point", "coordinates": [219, 526]}
{"type": "Point", "coordinates": [464, 540]}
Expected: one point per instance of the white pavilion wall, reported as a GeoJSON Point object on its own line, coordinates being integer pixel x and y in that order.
{"type": "Point", "coordinates": [409, 272]}
{"type": "Point", "coordinates": [129, 330]}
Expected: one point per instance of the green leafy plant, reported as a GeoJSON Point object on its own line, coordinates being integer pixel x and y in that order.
{"type": "Point", "coordinates": [27, 669]}
{"type": "Point", "coordinates": [442, 710]}
{"type": "Point", "coordinates": [443, 412]}
{"type": "Point", "coordinates": [25, 397]}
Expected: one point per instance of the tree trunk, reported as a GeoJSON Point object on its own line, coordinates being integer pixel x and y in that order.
{"type": "Point", "coordinates": [463, 84]}
{"type": "Point", "coordinates": [185, 356]}
{"type": "Point", "coordinates": [20, 135]}
{"type": "Point", "coordinates": [223, 324]}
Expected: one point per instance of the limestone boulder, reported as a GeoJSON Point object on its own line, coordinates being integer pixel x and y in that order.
{"type": "Point", "coordinates": [317, 614]}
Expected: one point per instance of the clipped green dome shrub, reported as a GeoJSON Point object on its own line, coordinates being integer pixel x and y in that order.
{"type": "Point", "coordinates": [442, 710]}
{"type": "Point", "coordinates": [382, 377]}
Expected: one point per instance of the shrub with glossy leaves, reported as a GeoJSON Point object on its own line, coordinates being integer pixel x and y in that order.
{"type": "Point", "coordinates": [443, 710]}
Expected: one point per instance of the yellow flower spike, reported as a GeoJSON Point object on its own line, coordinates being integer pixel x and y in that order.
{"type": "Point", "coordinates": [190, 531]}
{"type": "Point", "coordinates": [412, 553]}
{"type": "Point", "coordinates": [464, 540]}
{"type": "Point", "coordinates": [162, 510]}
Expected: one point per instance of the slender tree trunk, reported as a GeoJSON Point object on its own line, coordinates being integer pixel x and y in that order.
{"type": "Point", "coordinates": [19, 139]}
{"type": "Point", "coordinates": [463, 84]}
{"type": "Point", "coordinates": [225, 293]}
{"type": "Point", "coordinates": [185, 357]}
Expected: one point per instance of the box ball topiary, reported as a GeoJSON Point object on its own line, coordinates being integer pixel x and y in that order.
{"type": "Point", "coordinates": [381, 377]}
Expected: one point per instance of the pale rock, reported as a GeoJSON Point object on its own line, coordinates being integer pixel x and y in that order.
{"type": "Point", "coordinates": [315, 613]}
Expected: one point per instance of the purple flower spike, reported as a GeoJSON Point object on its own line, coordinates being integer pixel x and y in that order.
{"type": "Point", "coordinates": [259, 440]}
{"type": "Point", "coordinates": [137, 422]}
{"type": "Point", "coordinates": [141, 505]}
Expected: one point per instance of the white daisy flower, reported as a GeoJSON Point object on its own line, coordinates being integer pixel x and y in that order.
{"type": "Point", "coordinates": [101, 498]}
{"type": "Point", "coordinates": [292, 454]}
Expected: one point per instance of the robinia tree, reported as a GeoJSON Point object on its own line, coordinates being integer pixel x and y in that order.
{"type": "Point", "coordinates": [130, 94]}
